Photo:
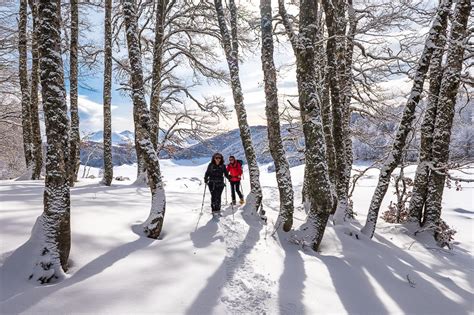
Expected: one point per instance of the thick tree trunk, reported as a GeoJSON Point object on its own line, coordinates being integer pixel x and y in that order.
{"type": "Point", "coordinates": [34, 115]}
{"type": "Point", "coordinates": [108, 164]}
{"type": "Point", "coordinates": [25, 87]}
{"type": "Point", "coordinates": [393, 160]}
{"type": "Point", "coordinates": [335, 49]}
{"type": "Point", "coordinates": [445, 113]}
{"type": "Point", "coordinates": [230, 44]}
{"type": "Point", "coordinates": [319, 186]}
{"type": "Point", "coordinates": [422, 175]}
{"type": "Point", "coordinates": [74, 137]}
{"type": "Point", "coordinates": [155, 103]}
{"type": "Point", "coordinates": [277, 150]}
{"type": "Point", "coordinates": [153, 225]}
{"type": "Point", "coordinates": [52, 229]}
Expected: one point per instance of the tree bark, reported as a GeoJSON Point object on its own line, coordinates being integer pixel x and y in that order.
{"type": "Point", "coordinates": [153, 225]}
{"type": "Point", "coordinates": [422, 175]}
{"type": "Point", "coordinates": [445, 113]}
{"type": "Point", "coordinates": [319, 186]}
{"type": "Point", "coordinates": [37, 142]}
{"type": "Point", "coordinates": [24, 86]}
{"type": "Point", "coordinates": [335, 49]}
{"type": "Point", "coordinates": [155, 102]}
{"type": "Point", "coordinates": [108, 163]}
{"type": "Point", "coordinates": [74, 138]}
{"type": "Point", "coordinates": [52, 228]}
{"type": "Point", "coordinates": [277, 150]}
{"type": "Point", "coordinates": [393, 160]}
{"type": "Point", "coordinates": [230, 44]}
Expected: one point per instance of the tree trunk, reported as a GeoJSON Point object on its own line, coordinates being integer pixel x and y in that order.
{"type": "Point", "coordinates": [74, 138]}
{"type": "Point", "coordinates": [319, 186]}
{"type": "Point", "coordinates": [230, 44]}
{"type": "Point", "coordinates": [24, 86]}
{"type": "Point", "coordinates": [445, 113]}
{"type": "Point", "coordinates": [335, 50]}
{"type": "Point", "coordinates": [155, 103]}
{"type": "Point", "coordinates": [108, 163]}
{"type": "Point", "coordinates": [393, 160]}
{"type": "Point", "coordinates": [34, 115]}
{"type": "Point", "coordinates": [277, 150]}
{"type": "Point", "coordinates": [422, 175]}
{"type": "Point", "coordinates": [153, 225]}
{"type": "Point", "coordinates": [52, 228]}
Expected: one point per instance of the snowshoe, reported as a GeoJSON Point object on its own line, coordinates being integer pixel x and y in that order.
{"type": "Point", "coordinates": [216, 215]}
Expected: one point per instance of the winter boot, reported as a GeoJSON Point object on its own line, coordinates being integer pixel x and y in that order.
{"type": "Point", "coordinates": [242, 201]}
{"type": "Point", "coordinates": [234, 203]}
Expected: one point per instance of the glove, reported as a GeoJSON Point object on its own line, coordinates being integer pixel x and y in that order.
{"type": "Point", "coordinates": [206, 180]}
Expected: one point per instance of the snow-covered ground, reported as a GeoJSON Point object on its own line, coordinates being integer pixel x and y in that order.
{"type": "Point", "coordinates": [200, 266]}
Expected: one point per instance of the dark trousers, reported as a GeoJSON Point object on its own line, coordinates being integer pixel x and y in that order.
{"type": "Point", "coordinates": [235, 187]}
{"type": "Point", "coordinates": [216, 189]}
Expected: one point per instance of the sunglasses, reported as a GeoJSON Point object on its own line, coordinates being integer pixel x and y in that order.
{"type": "Point", "coordinates": [217, 158]}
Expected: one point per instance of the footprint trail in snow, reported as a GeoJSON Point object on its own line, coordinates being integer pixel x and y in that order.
{"type": "Point", "coordinates": [245, 291]}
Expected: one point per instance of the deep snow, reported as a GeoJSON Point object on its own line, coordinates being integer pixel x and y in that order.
{"type": "Point", "coordinates": [200, 266]}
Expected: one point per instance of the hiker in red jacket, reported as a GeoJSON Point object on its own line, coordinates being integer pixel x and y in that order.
{"type": "Point", "coordinates": [235, 172]}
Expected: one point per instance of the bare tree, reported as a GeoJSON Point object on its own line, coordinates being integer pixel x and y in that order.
{"type": "Point", "coordinates": [74, 137]}
{"type": "Point", "coordinates": [108, 166]}
{"type": "Point", "coordinates": [53, 226]}
{"type": "Point", "coordinates": [24, 86]}
{"type": "Point", "coordinates": [231, 49]}
{"type": "Point", "coordinates": [37, 142]}
{"type": "Point", "coordinates": [154, 223]}
{"type": "Point", "coordinates": [282, 168]}
{"type": "Point", "coordinates": [405, 127]}
{"type": "Point", "coordinates": [444, 114]}
{"type": "Point", "coordinates": [319, 186]}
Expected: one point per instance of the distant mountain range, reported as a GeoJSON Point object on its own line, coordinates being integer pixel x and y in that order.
{"type": "Point", "coordinates": [228, 143]}
{"type": "Point", "coordinates": [121, 138]}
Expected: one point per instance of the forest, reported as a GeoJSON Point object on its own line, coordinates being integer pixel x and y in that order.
{"type": "Point", "coordinates": [352, 127]}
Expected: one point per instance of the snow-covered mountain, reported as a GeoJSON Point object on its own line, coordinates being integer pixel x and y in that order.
{"type": "Point", "coordinates": [123, 137]}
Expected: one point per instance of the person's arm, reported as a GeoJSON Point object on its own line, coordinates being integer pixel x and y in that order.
{"type": "Point", "coordinates": [226, 174]}
{"type": "Point", "coordinates": [206, 175]}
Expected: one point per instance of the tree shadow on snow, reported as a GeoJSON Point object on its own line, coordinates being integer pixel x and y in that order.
{"type": "Point", "coordinates": [291, 282]}
{"type": "Point", "coordinates": [18, 296]}
{"type": "Point", "coordinates": [369, 268]}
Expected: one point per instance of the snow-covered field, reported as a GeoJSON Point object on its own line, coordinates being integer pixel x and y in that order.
{"type": "Point", "coordinates": [200, 266]}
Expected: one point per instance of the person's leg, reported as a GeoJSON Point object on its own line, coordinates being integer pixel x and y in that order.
{"type": "Point", "coordinates": [218, 191]}
{"type": "Point", "coordinates": [213, 196]}
{"type": "Point", "coordinates": [237, 188]}
{"type": "Point", "coordinates": [232, 189]}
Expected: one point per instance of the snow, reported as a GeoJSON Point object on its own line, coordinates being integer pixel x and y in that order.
{"type": "Point", "coordinates": [233, 265]}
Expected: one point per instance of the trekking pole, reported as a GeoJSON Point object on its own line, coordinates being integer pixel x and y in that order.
{"type": "Point", "coordinates": [202, 207]}
{"type": "Point", "coordinates": [225, 193]}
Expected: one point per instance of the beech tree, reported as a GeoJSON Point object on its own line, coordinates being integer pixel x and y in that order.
{"type": "Point", "coordinates": [319, 186]}
{"type": "Point", "coordinates": [24, 85]}
{"type": "Point", "coordinates": [107, 96]}
{"type": "Point", "coordinates": [74, 137]}
{"type": "Point", "coordinates": [230, 44]}
{"type": "Point", "coordinates": [52, 229]}
{"type": "Point", "coordinates": [445, 113]}
{"type": "Point", "coordinates": [394, 157]}
{"type": "Point", "coordinates": [282, 168]}
{"type": "Point", "coordinates": [37, 142]}
{"type": "Point", "coordinates": [153, 225]}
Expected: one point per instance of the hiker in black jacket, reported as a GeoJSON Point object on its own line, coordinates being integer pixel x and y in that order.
{"type": "Point", "coordinates": [214, 177]}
